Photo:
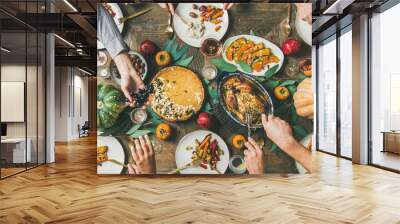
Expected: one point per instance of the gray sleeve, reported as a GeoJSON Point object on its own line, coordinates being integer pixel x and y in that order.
{"type": "Point", "coordinates": [108, 33]}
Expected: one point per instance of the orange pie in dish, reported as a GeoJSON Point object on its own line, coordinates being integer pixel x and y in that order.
{"type": "Point", "coordinates": [178, 94]}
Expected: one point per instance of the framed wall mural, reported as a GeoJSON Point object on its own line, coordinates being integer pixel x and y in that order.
{"type": "Point", "coordinates": [204, 88]}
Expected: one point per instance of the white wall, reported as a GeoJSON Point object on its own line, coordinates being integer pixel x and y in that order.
{"type": "Point", "coordinates": [69, 82]}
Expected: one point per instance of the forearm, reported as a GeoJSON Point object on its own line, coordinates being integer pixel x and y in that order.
{"type": "Point", "coordinates": [108, 33]}
{"type": "Point", "coordinates": [298, 152]}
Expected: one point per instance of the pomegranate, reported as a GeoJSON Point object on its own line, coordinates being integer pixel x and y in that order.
{"type": "Point", "coordinates": [148, 47]}
{"type": "Point", "coordinates": [290, 46]}
{"type": "Point", "coordinates": [204, 120]}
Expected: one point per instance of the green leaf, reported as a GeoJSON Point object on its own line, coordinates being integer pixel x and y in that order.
{"type": "Point", "coordinates": [271, 84]}
{"type": "Point", "coordinates": [169, 43]}
{"type": "Point", "coordinates": [275, 148]}
{"type": "Point", "coordinates": [184, 61]}
{"type": "Point", "coordinates": [178, 55]}
{"type": "Point", "coordinates": [292, 89]}
{"type": "Point", "coordinates": [245, 67]}
{"type": "Point", "coordinates": [153, 117]}
{"type": "Point", "coordinates": [139, 133]}
{"type": "Point", "coordinates": [208, 108]}
{"type": "Point", "coordinates": [299, 131]}
{"type": "Point", "coordinates": [293, 114]}
{"type": "Point", "coordinates": [301, 77]}
{"type": "Point", "coordinates": [133, 129]}
{"type": "Point", "coordinates": [270, 72]}
{"type": "Point", "coordinates": [288, 83]}
{"type": "Point", "coordinates": [222, 65]}
{"type": "Point", "coordinates": [252, 32]}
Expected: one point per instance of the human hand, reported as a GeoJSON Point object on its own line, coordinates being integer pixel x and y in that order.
{"type": "Point", "coordinates": [254, 157]}
{"type": "Point", "coordinates": [168, 6]}
{"type": "Point", "coordinates": [228, 6]}
{"type": "Point", "coordinates": [129, 76]}
{"type": "Point", "coordinates": [143, 156]}
{"type": "Point", "coordinates": [304, 12]}
{"type": "Point", "coordinates": [278, 131]}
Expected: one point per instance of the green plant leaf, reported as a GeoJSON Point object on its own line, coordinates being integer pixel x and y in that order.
{"type": "Point", "coordinates": [133, 129]}
{"type": "Point", "coordinates": [184, 61]}
{"type": "Point", "coordinates": [252, 32]}
{"type": "Point", "coordinates": [271, 84]}
{"type": "Point", "coordinates": [288, 83]}
{"type": "Point", "coordinates": [222, 65]}
{"type": "Point", "coordinates": [139, 133]}
{"type": "Point", "coordinates": [275, 148]}
{"type": "Point", "coordinates": [245, 67]}
{"type": "Point", "coordinates": [293, 114]}
{"type": "Point", "coordinates": [270, 72]}
{"type": "Point", "coordinates": [169, 43]}
{"type": "Point", "coordinates": [301, 77]}
{"type": "Point", "coordinates": [153, 117]}
{"type": "Point", "coordinates": [299, 131]}
{"type": "Point", "coordinates": [179, 53]}
{"type": "Point", "coordinates": [292, 89]}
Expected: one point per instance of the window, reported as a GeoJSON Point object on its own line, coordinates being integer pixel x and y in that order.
{"type": "Point", "coordinates": [346, 75]}
{"type": "Point", "coordinates": [385, 89]}
{"type": "Point", "coordinates": [327, 96]}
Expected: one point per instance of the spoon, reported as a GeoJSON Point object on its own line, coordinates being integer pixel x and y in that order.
{"type": "Point", "coordinates": [169, 31]}
{"type": "Point", "coordinates": [286, 27]}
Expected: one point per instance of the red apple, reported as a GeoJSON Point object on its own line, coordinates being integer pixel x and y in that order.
{"type": "Point", "coordinates": [204, 120]}
{"type": "Point", "coordinates": [148, 47]}
{"type": "Point", "coordinates": [290, 46]}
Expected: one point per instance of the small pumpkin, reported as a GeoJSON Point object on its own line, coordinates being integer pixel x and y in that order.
{"type": "Point", "coordinates": [110, 103]}
{"type": "Point", "coordinates": [163, 58]}
{"type": "Point", "coordinates": [238, 141]}
{"type": "Point", "coordinates": [281, 93]}
{"type": "Point", "coordinates": [304, 99]}
{"type": "Point", "coordinates": [163, 131]}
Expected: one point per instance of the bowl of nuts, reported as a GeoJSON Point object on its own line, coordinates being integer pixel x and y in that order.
{"type": "Point", "coordinates": [138, 63]}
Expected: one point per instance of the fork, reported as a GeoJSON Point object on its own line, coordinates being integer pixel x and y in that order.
{"type": "Point", "coordinates": [248, 122]}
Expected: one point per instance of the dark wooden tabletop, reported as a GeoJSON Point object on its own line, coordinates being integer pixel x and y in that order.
{"type": "Point", "coordinates": [263, 19]}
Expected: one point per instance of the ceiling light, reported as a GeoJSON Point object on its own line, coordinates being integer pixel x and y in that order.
{"type": "Point", "coordinates": [64, 40]}
{"type": "Point", "coordinates": [70, 5]}
{"type": "Point", "coordinates": [5, 49]}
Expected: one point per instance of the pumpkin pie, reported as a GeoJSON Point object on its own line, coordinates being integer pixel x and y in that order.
{"type": "Point", "coordinates": [178, 94]}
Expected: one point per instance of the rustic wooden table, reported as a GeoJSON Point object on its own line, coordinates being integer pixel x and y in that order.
{"type": "Point", "coordinates": [263, 19]}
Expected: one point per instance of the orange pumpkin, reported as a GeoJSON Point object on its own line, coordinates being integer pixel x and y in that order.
{"type": "Point", "coordinates": [163, 58]}
{"type": "Point", "coordinates": [163, 131]}
{"type": "Point", "coordinates": [304, 99]}
{"type": "Point", "coordinates": [281, 93]}
{"type": "Point", "coordinates": [238, 141]}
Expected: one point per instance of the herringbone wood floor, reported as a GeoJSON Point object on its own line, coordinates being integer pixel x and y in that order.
{"type": "Point", "coordinates": [71, 192]}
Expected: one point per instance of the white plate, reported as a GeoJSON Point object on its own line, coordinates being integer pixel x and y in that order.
{"type": "Point", "coordinates": [118, 14]}
{"type": "Point", "coordinates": [275, 50]}
{"type": "Point", "coordinates": [115, 151]}
{"type": "Point", "coordinates": [181, 29]}
{"type": "Point", "coordinates": [183, 156]}
{"type": "Point", "coordinates": [304, 30]}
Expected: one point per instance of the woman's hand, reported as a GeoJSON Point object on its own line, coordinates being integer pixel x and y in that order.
{"type": "Point", "coordinates": [129, 77]}
{"type": "Point", "coordinates": [254, 157]}
{"type": "Point", "coordinates": [168, 6]}
{"type": "Point", "coordinates": [280, 132]}
{"type": "Point", "coordinates": [143, 156]}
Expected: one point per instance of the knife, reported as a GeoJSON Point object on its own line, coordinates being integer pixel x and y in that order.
{"type": "Point", "coordinates": [124, 19]}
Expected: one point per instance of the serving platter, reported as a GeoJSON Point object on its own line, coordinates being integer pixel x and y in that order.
{"type": "Point", "coordinates": [256, 39]}
{"type": "Point", "coordinates": [256, 86]}
{"type": "Point", "coordinates": [181, 29]}
{"type": "Point", "coordinates": [183, 156]}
